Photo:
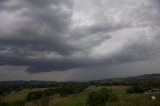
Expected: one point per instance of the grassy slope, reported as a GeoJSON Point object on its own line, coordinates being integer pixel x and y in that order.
{"type": "Point", "coordinates": [17, 96]}
{"type": "Point", "coordinates": [21, 95]}
{"type": "Point", "coordinates": [136, 100]}
{"type": "Point", "coordinates": [125, 99]}
{"type": "Point", "coordinates": [79, 99]}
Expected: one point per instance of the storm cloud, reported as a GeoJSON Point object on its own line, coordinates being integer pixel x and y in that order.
{"type": "Point", "coordinates": [61, 35]}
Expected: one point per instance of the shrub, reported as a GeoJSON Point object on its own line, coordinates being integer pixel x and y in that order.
{"type": "Point", "coordinates": [107, 92]}
{"type": "Point", "coordinates": [15, 103]}
{"type": "Point", "coordinates": [34, 95]}
{"type": "Point", "coordinates": [40, 94]}
{"type": "Point", "coordinates": [96, 99]}
{"type": "Point", "coordinates": [48, 92]}
{"type": "Point", "coordinates": [71, 89]}
{"type": "Point", "coordinates": [101, 97]}
{"type": "Point", "coordinates": [136, 89]}
{"type": "Point", "coordinates": [113, 98]}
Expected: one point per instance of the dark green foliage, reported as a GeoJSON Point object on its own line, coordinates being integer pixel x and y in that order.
{"type": "Point", "coordinates": [64, 90]}
{"type": "Point", "coordinates": [71, 89]}
{"type": "Point", "coordinates": [34, 95]}
{"type": "Point", "coordinates": [107, 92]}
{"type": "Point", "coordinates": [15, 103]}
{"type": "Point", "coordinates": [5, 90]}
{"type": "Point", "coordinates": [48, 92]}
{"type": "Point", "coordinates": [4, 104]}
{"type": "Point", "coordinates": [113, 98]}
{"type": "Point", "coordinates": [40, 94]}
{"type": "Point", "coordinates": [101, 97]}
{"type": "Point", "coordinates": [96, 99]}
{"type": "Point", "coordinates": [136, 89]}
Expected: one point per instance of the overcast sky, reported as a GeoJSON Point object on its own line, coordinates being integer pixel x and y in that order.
{"type": "Point", "coordinates": [78, 39]}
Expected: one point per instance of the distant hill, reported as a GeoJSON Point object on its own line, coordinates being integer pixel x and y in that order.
{"type": "Point", "coordinates": [140, 78]}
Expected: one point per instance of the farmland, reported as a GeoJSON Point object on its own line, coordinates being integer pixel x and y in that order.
{"type": "Point", "coordinates": [78, 93]}
{"type": "Point", "coordinates": [80, 99]}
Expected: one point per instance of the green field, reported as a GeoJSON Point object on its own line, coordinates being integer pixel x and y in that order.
{"type": "Point", "coordinates": [80, 99]}
{"type": "Point", "coordinates": [21, 95]}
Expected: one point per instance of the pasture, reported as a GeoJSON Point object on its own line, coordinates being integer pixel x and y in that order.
{"type": "Point", "coordinates": [80, 98]}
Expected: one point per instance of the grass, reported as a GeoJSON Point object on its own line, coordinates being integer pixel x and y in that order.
{"type": "Point", "coordinates": [125, 99]}
{"type": "Point", "coordinates": [116, 89]}
{"type": "Point", "coordinates": [80, 99]}
{"type": "Point", "coordinates": [74, 100]}
{"type": "Point", "coordinates": [137, 100]}
{"type": "Point", "coordinates": [119, 90]}
{"type": "Point", "coordinates": [21, 95]}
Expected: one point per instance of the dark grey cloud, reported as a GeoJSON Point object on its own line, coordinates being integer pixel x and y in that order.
{"type": "Point", "coordinates": [41, 28]}
{"type": "Point", "coordinates": [60, 35]}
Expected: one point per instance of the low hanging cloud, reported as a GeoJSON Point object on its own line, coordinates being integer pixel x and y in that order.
{"type": "Point", "coordinates": [59, 35]}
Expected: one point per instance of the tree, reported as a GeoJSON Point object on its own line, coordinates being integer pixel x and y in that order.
{"type": "Point", "coordinates": [113, 98]}
{"type": "Point", "coordinates": [34, 95]}
{"type": "Point", "coordinates": [107, 92]}
{"type": "Point", "coordinates": [136, 89]}
{"type": "Point", "coordinates": [96, 99]}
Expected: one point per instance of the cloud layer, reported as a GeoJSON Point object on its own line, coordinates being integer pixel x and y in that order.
{"type": "Point", "coordinates": [60, 35]}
